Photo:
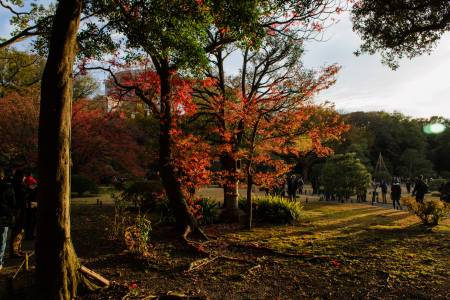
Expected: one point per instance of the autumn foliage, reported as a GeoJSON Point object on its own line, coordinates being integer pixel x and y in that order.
{"type": "Point", "coordinates": [18, 129]}
{"type": "Point", "coordinates": [103, 144]}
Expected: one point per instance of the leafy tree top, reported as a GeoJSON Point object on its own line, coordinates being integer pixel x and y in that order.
{"type": "Point", "coordinates": [400, 28]}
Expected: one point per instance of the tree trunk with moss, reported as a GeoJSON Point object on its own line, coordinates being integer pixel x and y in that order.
{"type": "Point", "coordinates": [57, 265]}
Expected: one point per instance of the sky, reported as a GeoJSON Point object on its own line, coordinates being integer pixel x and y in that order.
{"type": "Point", "coordinates": [419, 88]}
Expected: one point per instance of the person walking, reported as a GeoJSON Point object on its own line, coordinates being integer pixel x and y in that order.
{"type": "Point", "coordinates": [408, 185]}
{"type": "Point", "coordinates": [396, 193]}
{"type": "Point", "coordinates": [300, 184]}
{"type": "Point", "coordinates": [7, 203]}
{"type": "Point", "coordinates": [420, 189]}
{"type": "Point", "coordinates": [292, 187]}
{"type": "Point", "coordinates": [374, 192]}
{"type": "Point", "coordinates": [384, 190]}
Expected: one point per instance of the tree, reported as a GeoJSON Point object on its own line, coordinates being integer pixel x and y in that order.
{"type": "Point", "coordinates": [84, 87]}
{"type": "Point", "coordinates": [400, 28]}
{"type": "Point", "coordinates": [19, 129]}
{"type": "Point", "coordinates": [275, 135]}
{"type": "Point", "coordinates": [267, 63]}
{"type": "Point", "coordinates": [57, 266]}
{"type": "Point", "coordinates": [343, 175]}
{"type": "Point", "coordinates": [391, 135]}
{"type": "Point", "coordinates": [173, 45]}
{"type": "Point", "coordinates": [37, 21]}
{"type": "Point", "coordinates": [105, 144]}
{"type": "Point", "coordinates": [19, 71]}
{"type": "Point", "coordinates": [256, 117]}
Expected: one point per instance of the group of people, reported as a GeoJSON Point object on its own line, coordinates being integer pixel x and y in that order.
{"type": "Point", "coordinates": [419, 191]}
{"type": "Point", "coordinates": [291, 185]}
{"type": "Point", "coordinates": [18, 208]}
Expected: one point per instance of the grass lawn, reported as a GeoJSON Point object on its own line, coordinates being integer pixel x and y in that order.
{"type": "Point", "coordinates": [337, 251]}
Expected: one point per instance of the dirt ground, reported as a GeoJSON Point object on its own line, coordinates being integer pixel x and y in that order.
{"type": "Point", "coordinates": [337, 251]}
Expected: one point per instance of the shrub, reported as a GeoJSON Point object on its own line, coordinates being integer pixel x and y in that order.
{"type": "Point", "coordinates": [132, 230]}
{"type": "Point", "coordinates": [137, 235]}
{"type": "Point", "coordinates": [242, 203]}
{"type": "Point", "coordinates": [81, 184]}
{"type": "Point", "coordinates": [208, 213]}
{"type": "Point", "coordinates": [430, 212]}
{"type": "Point", "coordinates": [436, 184]}
{"type": "Point", "coordinates": [277, 210]}
{"type": "Point", "coordinates": [343, 175]}
{"type": "Point", "coordinates": [145, 194]}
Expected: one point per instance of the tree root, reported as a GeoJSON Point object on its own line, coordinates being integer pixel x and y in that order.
{"type": "Point", "coordinates": [197, 264]}
{"type": "Point", "coordinates": [97, 277]}
{"type": "Point", "coordinates": [90, 281]}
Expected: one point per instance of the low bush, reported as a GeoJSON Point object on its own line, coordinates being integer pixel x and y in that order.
{"type": "Point", "coordinates": [431, 212]}
{"type": "Point", "coordinates": [273, 209]}
{"type": "Point", "coordinates": [277, 210]}
{"type": "Point", "coordinates": [81, 184]}
{"type": "Point", "coordinates": [137, 235]}
{"type": "Point", "coordinates": [146, 194]}
{"type": "Point", "coordinates": [208, 211]}
{"type": "Point", "coordinates": [242, 203]}
{"type": "Point", "coordinates": [436, 184]}
{"type": "Point", "coordinates": [130, 229]}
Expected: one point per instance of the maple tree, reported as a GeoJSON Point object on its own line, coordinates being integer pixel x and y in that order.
{"type": "Point", "coordinates": [173, 45]}
{"type": "Point", "coordinates": [246, 113]}
{"type": "Point", "coordinates": [104, 144]}
{"type": "Point", "coordinates": [19, 129]}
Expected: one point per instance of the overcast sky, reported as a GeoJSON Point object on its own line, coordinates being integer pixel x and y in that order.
{"type": "Point", "coordinates": [419, 88]}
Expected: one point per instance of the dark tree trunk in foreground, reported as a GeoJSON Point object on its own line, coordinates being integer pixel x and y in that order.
{"type": "Point", "coordinates": [56, 262]}
{"type": "Point", "coordinates": [183, 216]}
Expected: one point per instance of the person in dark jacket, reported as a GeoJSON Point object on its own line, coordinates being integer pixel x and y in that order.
{"type": "Point", "coordinates": [292, 187]}
{"type": "Point", "coordinates": [7, 203]}
{"type": "Point", "coordinates": [396, 193]}
{"type": "Point", "coordinates": [420, 189]}
{"type": "Point", "coordinates": [384, 190]}
{"type": "Point", "coordinates": [17, 232]}
{"type": "Point", "coordinates": [408, 185]}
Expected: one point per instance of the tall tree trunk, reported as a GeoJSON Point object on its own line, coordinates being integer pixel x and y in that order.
{"type": "Point", "coordinates": [57, 265]}
{"type": "Point", "coordinates": [183, 216]}
{"type": "Point", "coordinates": [249, 200]}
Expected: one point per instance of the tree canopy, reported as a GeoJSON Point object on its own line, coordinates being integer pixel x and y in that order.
{"type": "Point", "coordinates": [400, 28]}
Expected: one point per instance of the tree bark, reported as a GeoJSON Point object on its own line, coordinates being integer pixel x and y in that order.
{"type": "Point", "coordinates": [183, 216]}
{"type": "Point", "coordinates": [231, 211]}
{"type": "Point", "coordinates": [249, 200]}
{"type": "Point", "coordinates": [57, 265]}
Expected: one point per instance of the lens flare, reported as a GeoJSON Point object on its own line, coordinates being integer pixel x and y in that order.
{"type": "Point", "coordinates": [435, 128]}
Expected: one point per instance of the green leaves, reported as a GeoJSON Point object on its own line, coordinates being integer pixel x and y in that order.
{"type": "Point", "coordinates": [344, 175]}
{"type": "Point", "coordinates": [401, 28]}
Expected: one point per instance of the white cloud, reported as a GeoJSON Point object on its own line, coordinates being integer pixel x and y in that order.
{"type": "Point", "coordinates": [420, 87]}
